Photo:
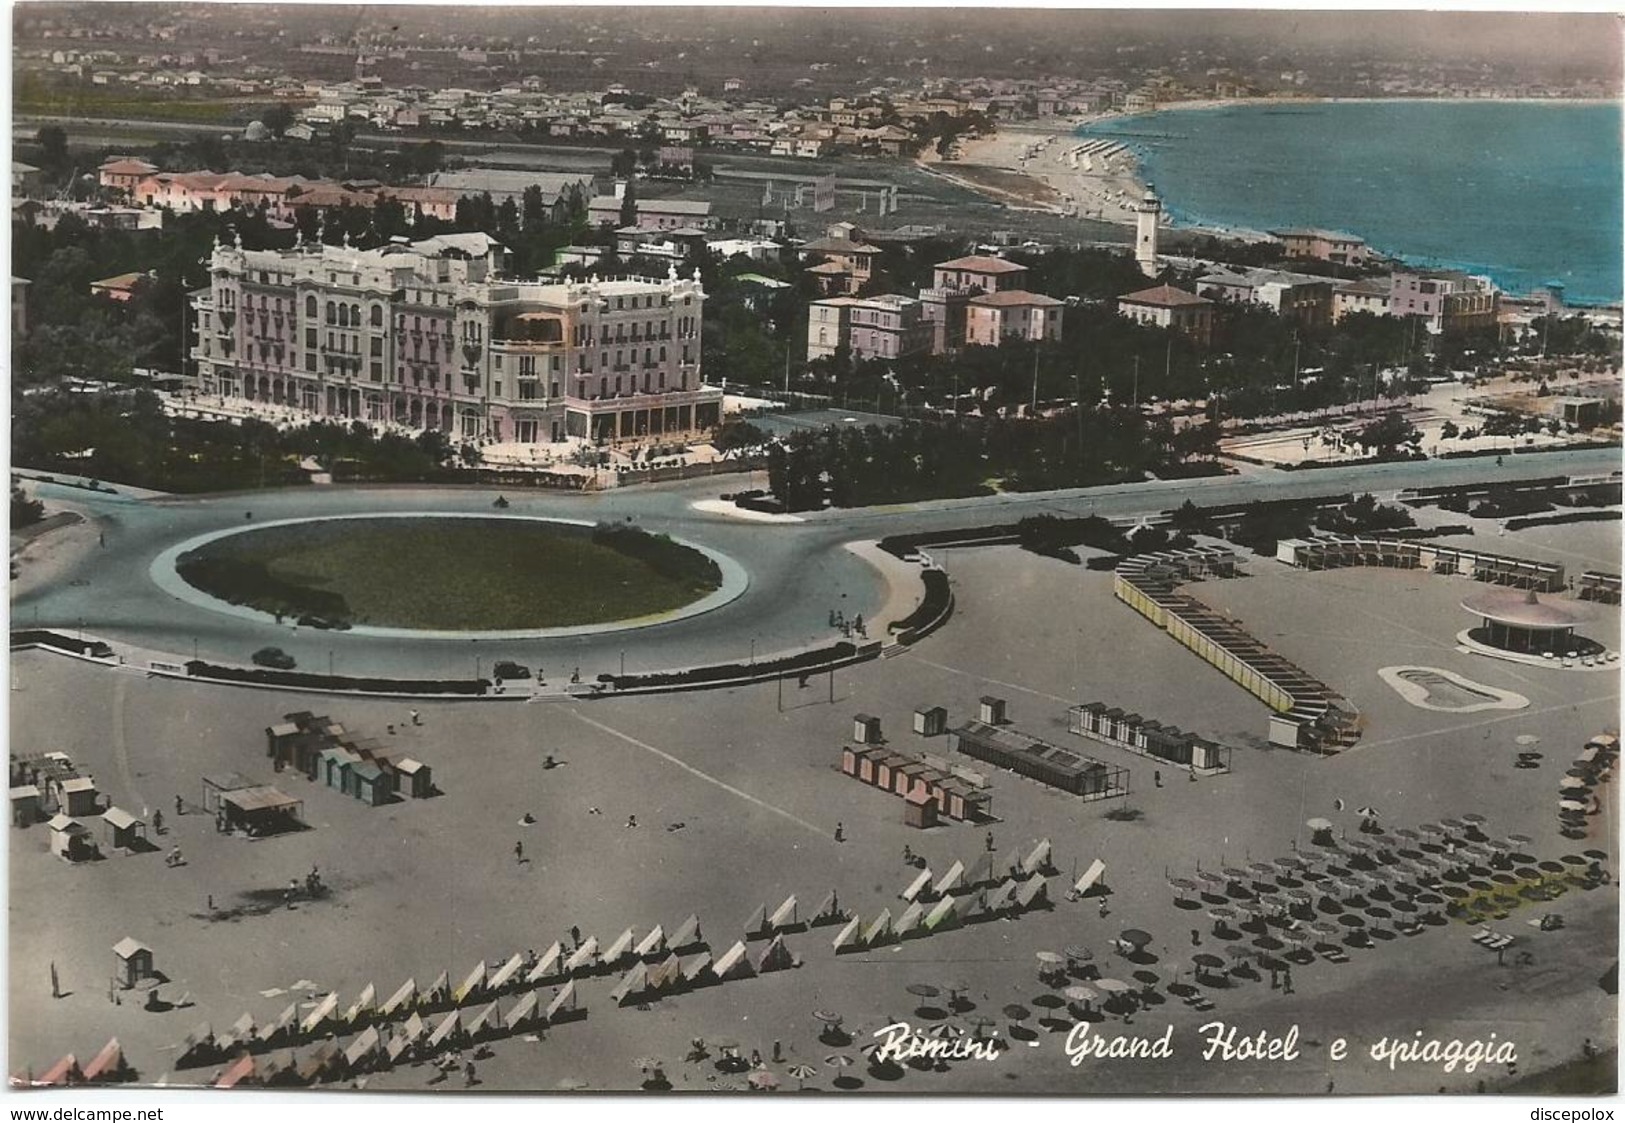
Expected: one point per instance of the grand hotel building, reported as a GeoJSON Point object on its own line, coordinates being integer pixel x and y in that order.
{"type": "Point", "coordinates": [433, 334]}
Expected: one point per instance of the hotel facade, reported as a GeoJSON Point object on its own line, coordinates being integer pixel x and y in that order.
{"type": "Point", "coordinates": [434, 335]}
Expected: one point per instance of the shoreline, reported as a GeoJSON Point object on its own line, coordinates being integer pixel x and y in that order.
{"type": "Point", "coordinates": [1029, 149]}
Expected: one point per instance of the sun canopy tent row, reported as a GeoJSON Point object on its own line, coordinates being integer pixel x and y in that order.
{"type": "Point", "coordinates": [645, 983]}
{"type": "Point", "coordinates": [326, 752]}
{"type": "Point", "coordinates": [1081, 775]}
{"type": "Point", "coordinates": [108, 1066]}
{"type": "Point", "coordinates": [1308, 713]}
{"type": "Point", "coordinates": [935, 791]}
{"type": "Point", "coordinates": [374, 1048]}
{"type": "Point", "coordinates": [1006, 899]}
{"type": "Point", "coordinates": [1338, 551]}
{"type": "Point", "coordinates": [1148, 737]}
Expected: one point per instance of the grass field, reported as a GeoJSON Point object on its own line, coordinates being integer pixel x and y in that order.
{"type": "Point", "coordinates": [452, 574]}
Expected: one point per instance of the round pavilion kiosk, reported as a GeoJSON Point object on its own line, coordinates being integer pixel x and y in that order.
{"type": "Point", "coordinates": [1518, 620]}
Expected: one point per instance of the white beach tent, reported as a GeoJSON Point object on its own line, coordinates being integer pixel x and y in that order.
{"type": "Point", "coordinates": [941, 915]}
{"type": "Point", "coordinates": [879, 930]}
{"type": "Point", "coordinates": [620, 949]}
{"type": "Point", "coordinates": [548, 965]}
{"type": "Point", "coordinates": [784, 915]}
{"type": "Point", "coordinates": [488, 1021]}
{"type": "Point", "coordinates": [1033, 892]}
{"type": "Point", "coordinates": [1090, 877]}
{"type": "Point", "coordinates": [916, 885]}
{"type": "Point", "coordinates": [506, 973]}
{"type": "Point", "coordinates": [950, 880]}
{"type": "Point", "coordinates": [362, 1048]}
{"type": "Point", "coordinates": [402, 999]}
{"type": "Point", "coordinates": [848, 934]}
{"type": "Point", "coordinates": [1038, 859]}
{"type": "Point", "coordinates": [444, 1030]}
{"type": "Point", "coordinates": [687, 933]}
{"type": "Point", "coordinates": [734, 963]}
{"type": "Point", "coordinates": [632, 984]}
{"type": "Point", "coordinates": [525, 1010]}
{"type": "Point", "coordinates": [910, 919]}
{"type": "Point", "coordinates": [319, 1016]}
{"type": "Point", "coordinates": [363, 1006]}
{"type": "Point", "coordinates": [652, 944]}
{"type": "Point", "coordinates": [565, 999]}
{"type": "Point", "coordinates": [471, 987]}
{"type": "Point", "coordinates": [697, 971]}
{"type": "Point", "coordinates": [583, 956]}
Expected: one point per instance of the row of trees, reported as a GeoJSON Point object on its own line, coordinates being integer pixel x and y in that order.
{"type": "Point", "coordinates": [859, 466]}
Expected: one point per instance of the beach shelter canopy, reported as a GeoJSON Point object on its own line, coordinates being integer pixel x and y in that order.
{"type": "Point", "coordinates": [487, 1020]}
{"type": "Point", "coordinates": [366, 1043]}
{"type": "Point", "coordinates": [548, 965]}
{"type": "Point", "coordinates": [1090, 876]}
{"type": "Point", "coordinates": [107, 1064]}
{"type": "Point", "coordinates": [941, 914]}
{"type": "Point", "coordinates": [524, 1010]}
{"type": "Point", "coordinates": [915, 886]}
{"type": "Point", "coordinates": [622, 946]}
{"type": "Point", "coordinates": [734, 963]}
{"type": "Point", "coordinates": [401, 999]}
{"type": "Point", "coordinates": [583, 955]}
{"type": "Point", "coordinates": [563, 1000]}
{"type": "Point", "coordinates": [1038, 858]}
{"type": "Point", "coordinates": [910, 919]}
{"type": "Point", "coordinates": [507, 972]}
{"type": "Point", "coordinates": [470, 987]}
{"type": "Point", "coordinates": [880, 929]}
{"type": "Point", "coordinates": [632, 984]}
{"type": "Point", "coordinates": [236, 1072]}
{"type": "Point", "coordinates": [653, 943]}
{"type": "Point", "coordinates": [949, 881]}
{"type": "Point", "coordinates": [320, 1015]}
{"type": "Point", "coordinates": [847, 933]}
{"type": "Point", "coordinates": [785, 914]}
{"type": "Point", "coordinates": [441, 1032]}
{"type": "Point", "coordinates": [688, 932]}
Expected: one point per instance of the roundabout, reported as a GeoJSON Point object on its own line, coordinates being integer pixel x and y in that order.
{"type": "Point", "coordinates": [447, 574]}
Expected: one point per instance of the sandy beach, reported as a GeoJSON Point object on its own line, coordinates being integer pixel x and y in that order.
{"type": "Point", "coordinates": [1101, 184]}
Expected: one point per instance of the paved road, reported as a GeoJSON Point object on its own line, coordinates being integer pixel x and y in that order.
{"type": "Point", "coordinates": [799, 572]}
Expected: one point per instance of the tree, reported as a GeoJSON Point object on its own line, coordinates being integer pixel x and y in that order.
{"type": "Point", "coordinates": [629, 204]}
{"type": "Point", "coordinates": [1388, 434]}
{"type": "Point", "coordinates": [53, 142]}
{"type": "Point", "coordinates": [277, 118]}
{"type": "Point", "coordinates": [24, 511]}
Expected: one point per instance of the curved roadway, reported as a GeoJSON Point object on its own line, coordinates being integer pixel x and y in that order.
{"type": "Point", "coordinates": [799, 572]}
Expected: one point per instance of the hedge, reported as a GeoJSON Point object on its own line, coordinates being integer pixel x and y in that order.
{"type": "Point", "coordinates": [722, 672]}
{"type": "Point", "coordinates": [939, 599]}
{"type": "Point", "coordinates": [41, 637]}
{"type": "Point", "coordinates": [302, 680]}
{"type": "Point", "coordinates": [1571, 517]}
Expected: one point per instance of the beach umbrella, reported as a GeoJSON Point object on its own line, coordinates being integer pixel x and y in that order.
{"type": "Point", "coordinates": [1581, 773]}
{"type": "Point", "coordinates": [922, 990]}
{"type": "Point", "coordinates": [1431, 828]}
{"type": "Point", "coordinates": [1369, 812]}
{"type": "Point", "coordinates": [1597, 855]}
{"type": "Point", "coordinates": [1047, 1001]}
{"type": "Point", "coordinates": [1221, 912]}
{"type": "Point", "coordinates": [1571, 805]}
{"type": "Point", "coordinates": [801, 1073]}
{"type": "Point", "coordinates": [828, 1018]}
{"type": "Point", "coordinates": [1017, 1013]}
{"type": "Point", "coordinates": [1184, 884]}
{"type": "Point", "coordinates": [1075, 951]}
{"type": "Point", "coordinates": [1573, 859]}
{"type": "Point", "coordinates": [1112, 986]}
{"type": "Point", "coordinates": [1147, 977]}
{"type": "Point", "coordinates": [1526, 739]}
{"type": "Point", "coordinates": [1265, 869]}
{"type": "Point", "coordinates": [839, 1060]}
{"type": "Point", "coordinates": [1572, 783]}
{"type": "Point", "coordinates": [1453, 824]}
{"type": "Point", "coordinates": [1323, 928]}
{"type": "Point", "coordinates": [1294, 861]}
{"type": "Point", "coordinates": [1050, 959]}
{"type": "Point", "coordinates": [1135, 937]}
{"type": "Point", "coordinates": [1318, 824]}
{"type": "Point", "coordinates": [647, 1063]}
{"type": "Point", "coordinates": [1238, 951]}
{"type": "Point", "coordinates": [1408, 833]}
{"type": "Point", "coordinates": [1358, 845]}
{"type": "Point", "coordinates": [1234, 874]}
{"type": "Point", "coordinates": [1474, 818]}
{"type": "Point", "coordinates": [763, 1080]}
{"type": "Point", "coordinates": [1080, 994]}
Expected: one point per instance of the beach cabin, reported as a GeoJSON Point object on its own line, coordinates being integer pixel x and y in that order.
{"type": "Point", "coordinates": [413, 778]}
{"type": "Point", "coordinates": [866, 729]}
{"type": "Point", "coordinates": [122, 830]}
{"type": "Point", "coordinates": [80, 797]}
{"type": "Point", "coordinates": [25, 805]}
{"type": "Point", "coordinates": [132, 962]}
{"type": "Point", "coordinates": [931, 721]}
{"type": "Point", "coordinates": [217, 785]}
{"type": "Point", "coordinates": [335, 760]}
{"type": "Point", "coordinates": [261, 810]}
{"type": "Point", "coordinates": [991, 710]}
{"type": "Point", "coordinates": [919, 809]}
{"type": "Point", "coordinates": [369, 783]}
{"type": "Point", "coordinates": [70, 839]}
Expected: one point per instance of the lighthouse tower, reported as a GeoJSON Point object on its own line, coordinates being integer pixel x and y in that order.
{"type": "Point", "coordinates": [1147, 215]}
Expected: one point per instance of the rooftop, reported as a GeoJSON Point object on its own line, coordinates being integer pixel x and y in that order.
{"type": "Point", "coordinates": [1164, 296]}
{"type": "Point", "coordinates": [1015, 299]}
{"type": "Point", "coordinates": [1521, 609]}
{"type": "Point", "coordinates": [980, 264]}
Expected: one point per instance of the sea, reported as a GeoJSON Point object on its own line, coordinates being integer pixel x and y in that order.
{"type": "Point", "coordinates": [1526, 192]}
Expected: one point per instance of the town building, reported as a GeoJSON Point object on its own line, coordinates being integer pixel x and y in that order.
{"type": "Point", "coordinates": [1323, 245]}
{"type": "Point", "coordinates": [122, 173]}
{"type": "Point", "coordinates": [992, 318]}
{"type": "Point", "coordinates": [979, 273]}
{"type": "Point", "coordinates": [1447, 301]}
{"type": "Point", "coordinates": [876, 327]}
{"type": "Point", "coordinates": [844, 264]}
{"type": "Point", "coordinates": [436, 334]}
{"type": "Point", "coordinates": [1297, 296]}
{"type": "Point", "coordinates": [1369, 294]}
{"type": "Point", "coordinates": [121, 288]}
{"type": "Point", "coordinates": [1167, 307]}
{"type": "Point", "coordinates": [652, 214]}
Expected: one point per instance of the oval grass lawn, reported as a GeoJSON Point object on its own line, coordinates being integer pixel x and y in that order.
{"type": "Point", "coordinates": [452, 574]}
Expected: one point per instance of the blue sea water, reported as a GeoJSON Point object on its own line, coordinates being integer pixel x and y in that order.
{"type": "Point", "coordinates": [1525, 192]}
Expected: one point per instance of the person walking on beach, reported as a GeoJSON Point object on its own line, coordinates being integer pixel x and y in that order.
{"type": "Point", "coordinates": [519, 851]}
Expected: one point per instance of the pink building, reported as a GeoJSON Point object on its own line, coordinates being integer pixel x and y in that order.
{"type": "Point", "coordinates": [1446, 300]}
{"type": "Point", "coordinates": [1167, 307]}
{"type": "Point", "coordinates": [878, 327]}
{"type": "Point", "coordinates": [986, 274]}
{"type": "Point", "coordinates": [994, 317]}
